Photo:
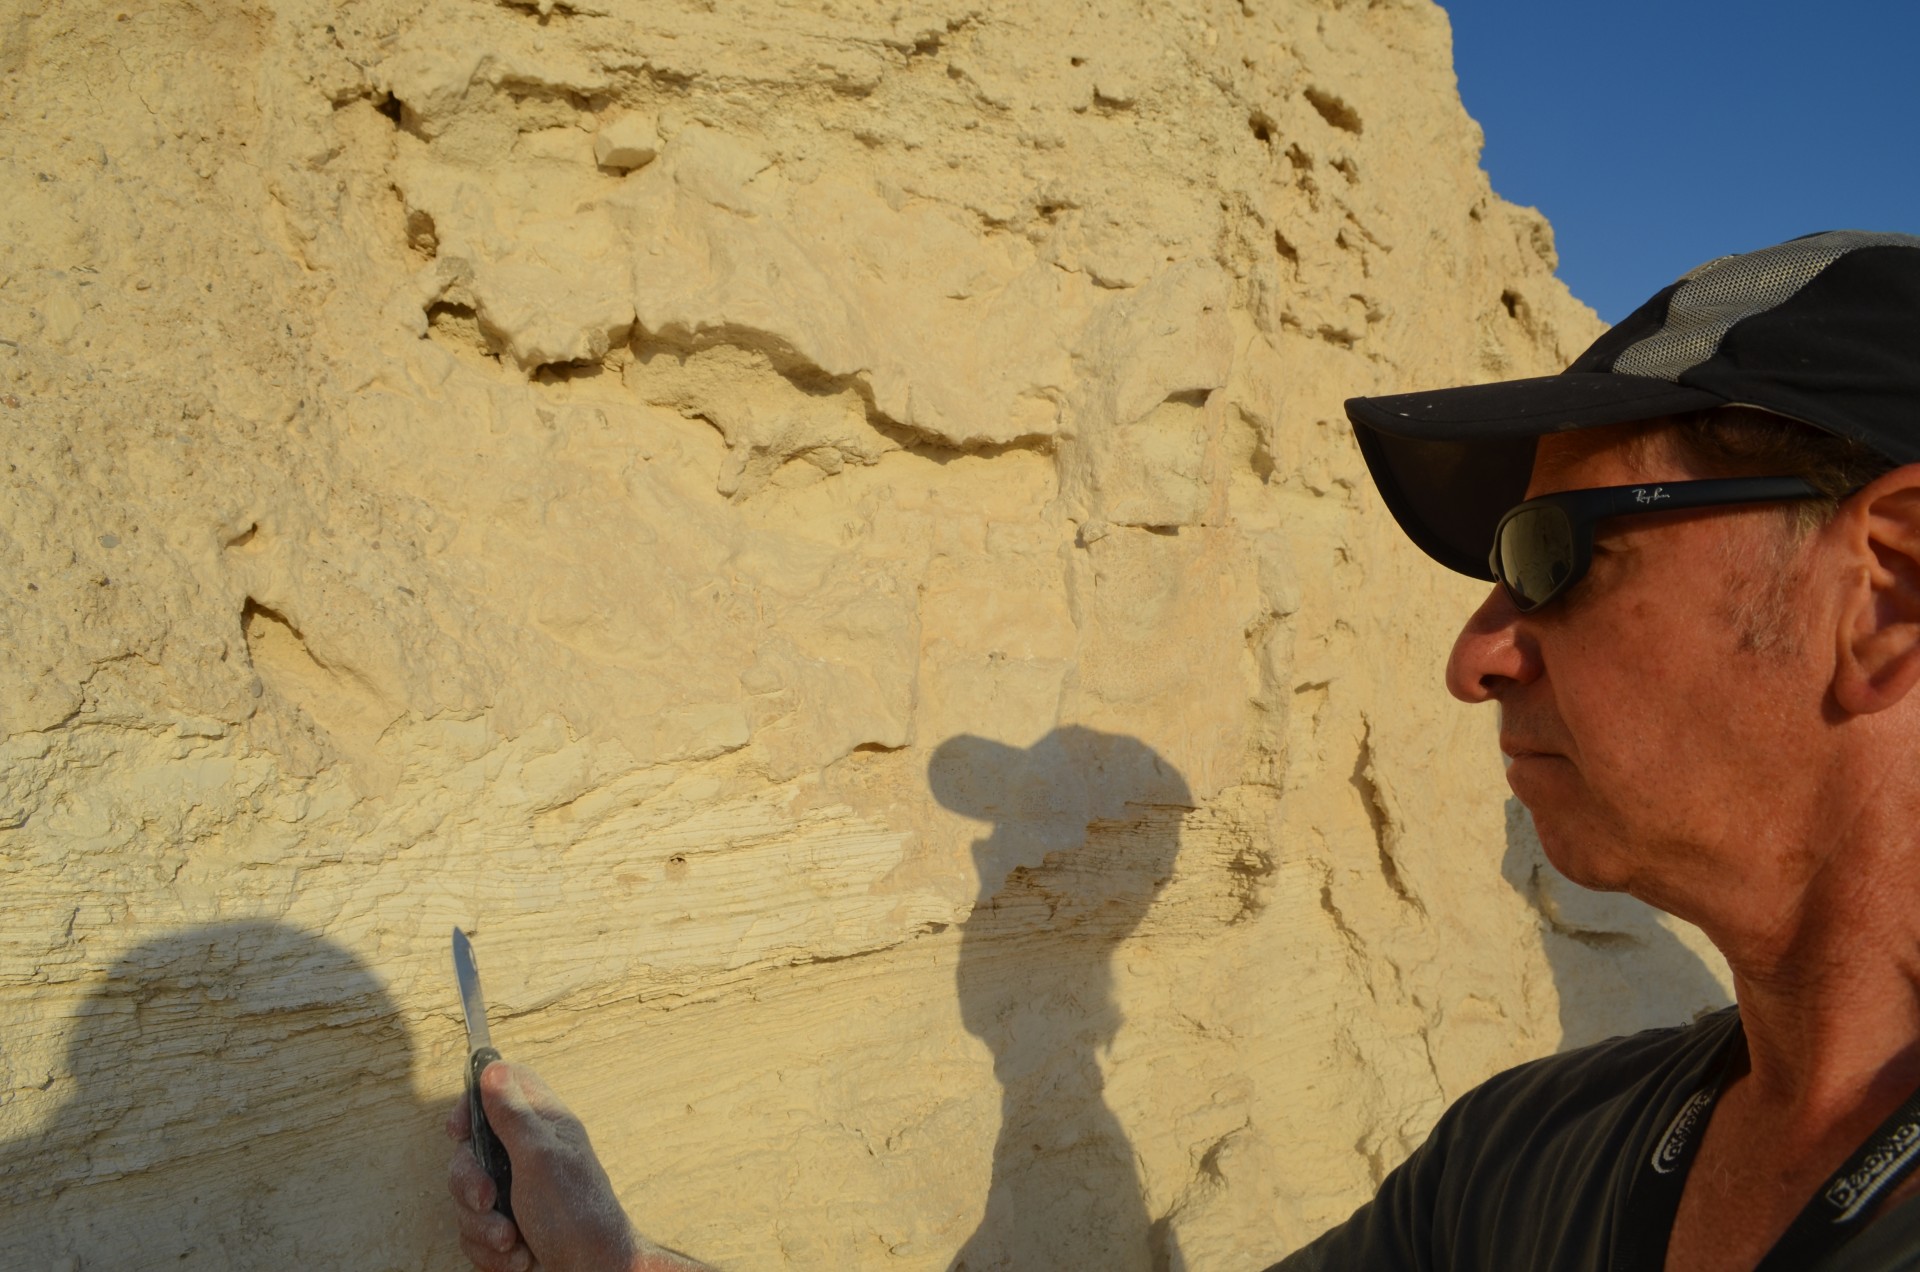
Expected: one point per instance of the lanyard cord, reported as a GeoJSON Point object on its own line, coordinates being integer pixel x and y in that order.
{"type": "Point", "coordinates": [1838, 1211]}
{"type": "Point", "coordinates": [1836, 1214]}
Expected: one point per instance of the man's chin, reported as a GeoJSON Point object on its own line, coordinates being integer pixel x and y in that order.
{"type": "Point", "coordinates": [1579, 864]}
{"type": "Point", "coordinates": [1539, 780]}
{"type": "Point", "coordinates": [1550, 787]}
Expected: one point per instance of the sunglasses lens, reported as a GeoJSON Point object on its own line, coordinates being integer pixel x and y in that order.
{"type": "Point", "coordinates": [1535, 554]}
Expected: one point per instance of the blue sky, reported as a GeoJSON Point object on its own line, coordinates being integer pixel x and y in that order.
{"type": "Point", "coordinates": [1659, 135]}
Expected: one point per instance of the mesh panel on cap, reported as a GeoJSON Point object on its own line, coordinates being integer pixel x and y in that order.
{"type": "Point", "coordinates": [1722, 292]}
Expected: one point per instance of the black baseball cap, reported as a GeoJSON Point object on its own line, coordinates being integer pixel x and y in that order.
{"type": "Point", "coordinates": [1823, 329]}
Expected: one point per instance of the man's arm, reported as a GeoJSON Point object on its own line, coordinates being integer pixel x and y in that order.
{"type": "Point", "coordinates": [568, 1217]}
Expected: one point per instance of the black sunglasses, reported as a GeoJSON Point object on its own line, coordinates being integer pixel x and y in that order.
{"type": "Point", "coordinates": [1543, 547]}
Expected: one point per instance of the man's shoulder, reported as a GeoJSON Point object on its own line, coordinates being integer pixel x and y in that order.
{"type": "Point", "coordinates": [1527, 1169]}
{"type": "Point", "coordinates": [1580, 1115]}
{"type": "Point", "coordinates": [1607, 1069]}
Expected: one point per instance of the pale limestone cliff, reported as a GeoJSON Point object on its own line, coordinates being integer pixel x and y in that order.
{"type": "Point", "coordinates": [824, 535]}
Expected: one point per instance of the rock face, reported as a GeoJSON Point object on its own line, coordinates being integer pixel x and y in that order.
{"type": "Point", "coordinates": [824, 536]}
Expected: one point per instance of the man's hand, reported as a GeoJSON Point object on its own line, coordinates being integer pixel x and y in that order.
{"type": "Point", "coordinates": [569, 1219]}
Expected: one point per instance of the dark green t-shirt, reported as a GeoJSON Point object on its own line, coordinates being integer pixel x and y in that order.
{"type": "Point", "coordinates": [1575, 1164]}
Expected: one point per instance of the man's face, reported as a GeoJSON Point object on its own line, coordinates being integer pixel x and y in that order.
{"type": "Point", "coordinates": [1661, 717]}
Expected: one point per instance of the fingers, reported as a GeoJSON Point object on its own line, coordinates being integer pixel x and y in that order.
{"type": "Point", "coordinates": [489, 1240]}
{"type": "Point", "coordinates": [469, 1183]}
{"type": "Point", "coordinates": [516, 1258]}
{"type": "Point", "coordinates": [458, 1126]}
{"type": "Point", "coordinates": [567, 1212]}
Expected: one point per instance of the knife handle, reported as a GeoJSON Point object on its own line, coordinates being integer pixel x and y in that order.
{"type": "Point", "coordinates": [486, 1145]}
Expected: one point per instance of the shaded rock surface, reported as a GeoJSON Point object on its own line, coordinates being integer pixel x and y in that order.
{"type": "Point", "coordinates": [825, 537]}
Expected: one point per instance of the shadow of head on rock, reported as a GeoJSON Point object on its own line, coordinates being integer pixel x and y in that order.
{"type": "Point", "coordinates": [1616, 966]}
{"type": "Point", "coordinates": [1085, 830]}
{"type": "Point", "coordinates": [241, 1096]}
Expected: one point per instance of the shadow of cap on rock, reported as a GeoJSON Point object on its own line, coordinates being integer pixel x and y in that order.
{"type": "Point", "coordinates": [241, 1095]}
{"type": "Point", "coordinates": [981, 778]}
{"type": "Point", "coordinates": [1043, 798]}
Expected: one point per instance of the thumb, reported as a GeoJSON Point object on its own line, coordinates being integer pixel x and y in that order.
{"type": "Point", "coordinates": [520, 1106]}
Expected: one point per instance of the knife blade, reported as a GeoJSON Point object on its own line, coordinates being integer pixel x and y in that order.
{"type": "Point", "coordinates": [480, 1053]}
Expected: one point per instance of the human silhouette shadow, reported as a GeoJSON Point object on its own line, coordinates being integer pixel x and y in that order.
{"type": "Point", "coordinates": [1617, 969]}
{"type": "Point", "coordinates": [1086, 826]}
{"type": "Point", "coordinates": [241, 1097]}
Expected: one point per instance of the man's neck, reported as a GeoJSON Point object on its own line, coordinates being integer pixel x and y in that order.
{"type": "Point", "coordinates": [1829, 983]}
{"type": "Point", "coordinates": [1829, 993]}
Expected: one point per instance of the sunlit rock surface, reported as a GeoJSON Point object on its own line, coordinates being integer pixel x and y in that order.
{"type": "Point", "coordinates": [825, 537]}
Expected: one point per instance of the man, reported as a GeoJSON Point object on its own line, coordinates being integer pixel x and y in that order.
{"type": "Point", "coordinates": [1704, 642]}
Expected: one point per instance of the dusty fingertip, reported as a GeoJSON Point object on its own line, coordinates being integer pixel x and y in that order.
{"type": "Point", "coordinates": [475, 1191]}
{"type": "Point", "coordinates": [522, 1260]}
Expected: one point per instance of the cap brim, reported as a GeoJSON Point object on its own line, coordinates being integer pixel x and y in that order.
{"type": "Point", "coordinates": [1449, 462]}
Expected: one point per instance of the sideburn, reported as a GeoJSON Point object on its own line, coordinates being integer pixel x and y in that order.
{"type": "Point", "coordinates": [1764, 579]}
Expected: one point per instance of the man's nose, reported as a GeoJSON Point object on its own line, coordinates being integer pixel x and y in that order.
{"type": "Point", "coordinates": [1491, 654]}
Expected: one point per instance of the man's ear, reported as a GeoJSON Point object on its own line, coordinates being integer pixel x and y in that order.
{"type": "Point", "coordinates": [1879, 662]}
